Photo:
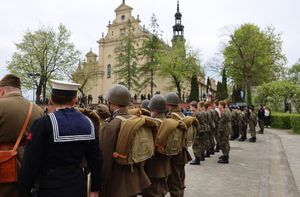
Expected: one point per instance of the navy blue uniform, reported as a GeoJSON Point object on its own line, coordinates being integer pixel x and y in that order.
{"type": "Point", "coordinates": [55, 148]}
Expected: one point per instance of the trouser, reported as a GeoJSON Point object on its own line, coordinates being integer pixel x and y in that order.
{"type": "Point", "coordinates": [197, 147]}
{"type": "Point", "coordinates": [252, 130]}
{"type": "Point", "coordinates": [243, 131]}
{"type": "Point", "coordinates": [176, 180]}
{"type": "Point", "coordinates": [224, 143]}
{"type": "Point", "coordinates": [211, 139]}
{"type": "Point", "coordinates": [235, 131]}
{"type": "Point", "coordinates": [216, 135]}
{"type": "Point", "coordinates": [206, 141]}
{"type": "Point", "coordinates": [158, 187]}
{"type": "Point", "coordinates": [261, 124]}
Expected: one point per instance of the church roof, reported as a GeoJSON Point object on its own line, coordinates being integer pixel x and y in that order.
{"type": "Point", "coordinates": [91, 54]}
{"type": "Point", "coordinates": [123, 7]}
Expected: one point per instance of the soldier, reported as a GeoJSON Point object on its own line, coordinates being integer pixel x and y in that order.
{"type": "Point", "coordinates": [119, 180]}
{"type": "Point", "coordinates": [242, 123]}
{"type": "Point", "coordinates": [197, 143]}
{"type": "Point", "coordinates": [206, 135]}
{"type": "Point", "coordinates": [103, 113]}
{"type": "Point", "coordinates": [224, 132]}
{"type": "Point", "coordinates": [212, 127]}
{"type": "Point", "coordinates": [252, 123]}
{"type": "Point", "coordinates": [203, 122]}
{"type": "Point", "coordinates": [261, 119]}
{"type": "Point", "coordinates": [217, 116]}
{"type": "Point", "coordinates": [234, 122]}
{"type": "Point", "coordinates": [144, 107]}
{"type": "Point", "coordinates": [177, 177]}
{"type": "Point", "coordinates": [56, 146]}
{"type": "Point", "coordinates": [158, 167]}
{"type": "Point", "coordinates": [13, 111]}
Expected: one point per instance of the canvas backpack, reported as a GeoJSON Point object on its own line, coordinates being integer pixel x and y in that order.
{"type": "Point", "coordinates": [135, 142]}
{"type": "Point", "coordinates": [169, 137]}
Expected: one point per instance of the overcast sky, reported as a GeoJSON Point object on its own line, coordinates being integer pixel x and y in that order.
{"type": "Point", "coordinates": [204, 21]}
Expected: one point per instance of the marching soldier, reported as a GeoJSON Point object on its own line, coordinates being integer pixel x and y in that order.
{"type": "Point", "coordinates": [203, 122]}
{"type": "Point", "coordinates": [212, 127]}
{"type": "Point", "coordinates": [234, 122]}
{"type": "Point", "coordinates": [56, 146]}
{"type": "Point", "coordinates": [158, 167]}
{"type": "Point", "coordinates": [13, 111]}
{"type": "Point", "coordinates": [224, 132]}
{"type": "Point", "coordinates": [176, 179]}
{"type": "Point", "coordinates": [217, 116]}
{"type": "Point", "coordinates": [119, 180]}
{"type": "Point", "coordinates": [242, 123]}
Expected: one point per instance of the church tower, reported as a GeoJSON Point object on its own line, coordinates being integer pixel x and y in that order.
{"type": "Point", "coordinates": [178, 28]}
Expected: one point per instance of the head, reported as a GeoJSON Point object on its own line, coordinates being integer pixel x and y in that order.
{"type": "Point", "coordinates": [222, 104]}
{"type": "Point", "coordinates": [207, 105]}
{"type": "Point", "coordinates": [172, 100]}
{"type": "Point", "coordinates": [216, 103]}
{"type": "Point", "coordinates": [103, 111]}
{"type": "Point", "coordinates": [157, 105]}
{"type": "Point", "coordinates": [117, 97]}
{"type": "Point", "coordinates": [10, 84]}
{"type": "Point", "coordinates": [63, 93]}
{"type": "Point", "coordinates": [145, 104]}
{"type": "Point", "coordinates": [201, 106]}
{"type": "Point", "coordinates": [193, 106]}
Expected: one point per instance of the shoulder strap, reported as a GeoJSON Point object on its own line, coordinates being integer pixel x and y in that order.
{"type": "Point", "coordinates": [23, 127]}
{"type": "Point", "coordinates": [176, 115]}
{"type": "Point", "coordinates": [121, 118]}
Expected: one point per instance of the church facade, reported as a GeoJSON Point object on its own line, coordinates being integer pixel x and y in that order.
{"type": "Point", "coordinates": [105, 61]}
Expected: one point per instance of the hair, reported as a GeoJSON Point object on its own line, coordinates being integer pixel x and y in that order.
{"type": "Point", "coordinates": [62, 100]}
{"type": "Point", "coordinates": [223, 103]}
{"type": "Point", "coordinates": [194, 104]}
{"type": "Point", "coordinates": [216, 102]}
{"type": "Point", "coordinates": [201, 104]}
{"type": "Point", "coordinates": [11, 89]}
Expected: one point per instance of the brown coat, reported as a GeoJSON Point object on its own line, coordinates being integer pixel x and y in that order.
{"type": "Point", "coordinates": [119, 180]}
{"type": "Point", "coordinates": [13, 111]}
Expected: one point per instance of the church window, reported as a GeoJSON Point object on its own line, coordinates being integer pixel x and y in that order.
{"type": "Point", "coordinates": [123, 17]}
{"type": "Point", "coordinates": [108, 71]}
{"type": "Point", "coordinates": [112, 33]}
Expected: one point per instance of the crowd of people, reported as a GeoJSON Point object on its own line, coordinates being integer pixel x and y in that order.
{"type": "Point", "coordinates": [72, 151]}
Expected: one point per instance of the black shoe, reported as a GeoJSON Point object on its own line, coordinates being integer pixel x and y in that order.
{"type": "Point", "coordinates": [217, 149]}
{"type": "Point", "coordinates": [221, 157]}
{"type": "Point", "coordinates": [253, 139]}
{"type": "Point", "coordinates": [224, 160]}
{"type": "Point", "coordinates": [202, 157]}
{"type": "Point", "coordinates": [196, 161]}
{"type": "Point", "coordinates": [207, 154]}
{"type": "Point", "coordinates": [232, 138]}
{"type": "Point", "coordinates": [242, 139]}
{"type": "Point", "coordinates": [212, 151]}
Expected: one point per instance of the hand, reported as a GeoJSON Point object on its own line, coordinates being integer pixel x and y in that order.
{"type": "Point", "coordinates": [94, 194]}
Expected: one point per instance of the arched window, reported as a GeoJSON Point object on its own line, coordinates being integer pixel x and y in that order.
{"type": "Point", "coordinates": [108, 71]}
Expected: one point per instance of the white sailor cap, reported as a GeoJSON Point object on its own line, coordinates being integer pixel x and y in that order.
{"type": "Point", "coordinates": [64, 88]}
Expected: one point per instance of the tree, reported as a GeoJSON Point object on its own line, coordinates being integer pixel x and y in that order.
{"type": "Point", "coordinates": [194, 94]}
{"type": "Point", "coordinates": [127, 58]}
{"type": "Point", "coordinates": [41, 55]}
{"type": "Point", "coordinates": [224, 84]}
{"type": "Point", "coordinates": [294, 73]}
{"type": "Point", "coordinates": [152, 46]}
{"type": "Point", "coordinates": [177, 65]}
{"type": "Point", "coordinates": [253, 56]}
{"type": "Point", "coordinates": [219, 91]}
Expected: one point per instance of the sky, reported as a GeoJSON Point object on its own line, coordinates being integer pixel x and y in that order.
{"type": "Point", "coordinates": [206, 22]}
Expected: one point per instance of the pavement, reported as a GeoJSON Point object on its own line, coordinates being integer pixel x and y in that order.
{"type": "Point", "coordinates": [269, 167]}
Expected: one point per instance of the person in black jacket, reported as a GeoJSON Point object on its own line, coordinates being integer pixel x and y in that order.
{"type": "Point", "coordinates": [261, 118]}
{"type": "Point", "coordinates": [56, 146]}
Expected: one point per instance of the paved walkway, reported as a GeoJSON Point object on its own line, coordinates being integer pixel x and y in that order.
{"type": "Point", "coordinates": [269, 167]}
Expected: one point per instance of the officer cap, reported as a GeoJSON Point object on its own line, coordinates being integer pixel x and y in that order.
{"type": "Point", "coordinates": [119, 95]}
{"type": "Point", "coordinates": [172, 98]}
{"type": "Point", "coordinates": [145, 104]}
{"type": "Point", "coordinates": [10, 80]}
{"type": "Point", "coordinates": [64, 88]}
{"type": "Point", "coordinates": [158, 104]}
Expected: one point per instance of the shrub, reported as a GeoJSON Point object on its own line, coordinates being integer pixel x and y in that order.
{"type": "Point", "coordinates": [286, 121]}
{"type": "Point", "coordinates": [295, 123]}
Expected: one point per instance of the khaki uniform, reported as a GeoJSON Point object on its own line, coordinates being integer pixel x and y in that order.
{"type": "Point", "coordinates": [13, 111]}
{"type": "Point", "coordinates": [176, 179]}
{"type": "Point", "coordinates": [119, 180]}
{"type": "Point", "coordinates": [242, 123]}
{"type": "Point", "coordinates": [212, 128]}
{"type": "Point", "coordinates": [234, 123]}
{"type": "Point", "coordinates": [224, 131]}
{"type": "Point", "coordinates": [158, 168]}
{"type": "Point", "coordinates": [216, 134]}
{"type": "Point", "coordinates": [252, 123]}
{"type": "Point", "coordinates": [207, 131]}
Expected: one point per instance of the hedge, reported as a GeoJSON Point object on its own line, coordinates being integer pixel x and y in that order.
{"type": "Point", "coordinates": [286, 121]}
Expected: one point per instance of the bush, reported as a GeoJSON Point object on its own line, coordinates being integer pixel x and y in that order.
{"type": "Point", "coordinates": [295, 123]}
{"type": "Point", "coordinates": [286, 121]}
{"type": "Point", "coordinates": [281, 121]}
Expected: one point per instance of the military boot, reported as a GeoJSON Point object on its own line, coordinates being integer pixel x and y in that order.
{"type": "Point", "coordinates": [217, 149]}
{"type": "Point", "coordinates": [224, 160]}
{"type": "Point", "coordinates": [207, 154]}
{"type": "Point", "coordinates": [196, 161]}
{"type": "Point", "coordinates": [242, 139]}
{"type": "Point", "coordinates": [253, 139]}
{"type": "Point", "coordinates": [212, 151]}
{"type": "Point", "coordinates": [202, 157]}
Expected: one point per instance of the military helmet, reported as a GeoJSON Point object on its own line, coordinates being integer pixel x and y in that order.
{"type": "Point", "coordinates": [119, 95]}
{"type": "Point", "coordinates": [145, 104]}
{"type": "Point", "coordinates": [172, 98]}
{"type": "Point", "coordinates": [158, 104]}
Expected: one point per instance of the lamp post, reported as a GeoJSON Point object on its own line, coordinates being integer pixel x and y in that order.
{"type": "Point", "coordinates": [33, 76]}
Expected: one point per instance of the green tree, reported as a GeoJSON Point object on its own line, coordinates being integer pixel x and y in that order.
{"type": "Point", "coordinates": [152, 46]}
{"type": "Point", "coordinates": [177, 65]}
{"type": "Point", "coordinates": [294, 73]}
{"type": "Point", "coordinates": [127, 58]}
{"type": "Point", "coordinates": [253, 56]}
{"type": "Point", "coordinates": [41, 55]}
{"type": "Point", "coordinates": [194, 94]}
{"type": "Point", "coordinates": [224, 85]}
{"type": "Point", "coordinates": [219, 91]}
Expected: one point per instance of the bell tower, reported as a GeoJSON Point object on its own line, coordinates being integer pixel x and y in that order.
{"type": "Point", "coordinates": [178, 28]}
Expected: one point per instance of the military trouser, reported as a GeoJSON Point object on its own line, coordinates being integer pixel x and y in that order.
{"type": "Point", "coordinates": [176, 180]}
{"type": "Point", "coordinates": [243, 131]}
{"type": "Point", "coordinates": [235, 131]}
{"type": "Point", "coordinates": [252, 130]}
{"type": "Point", "coordinates": [211, 139]}
{"type": "Point", "coordinates": [216, 135]}
{"type": "Point", "coordinates": [158, 188]}
{"type": "Point", "coordinates": [198, 146]}
{"type": "Point", "coordinates": [224, 143]}
{"type": "Point", "coordinates": [206, 140]}
{"type": "Point", "coordinates": [261, 124]}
